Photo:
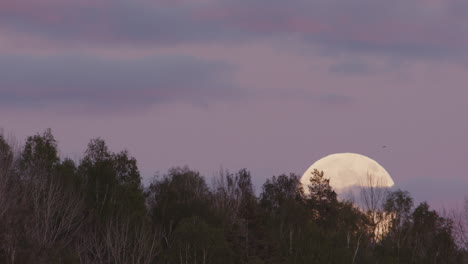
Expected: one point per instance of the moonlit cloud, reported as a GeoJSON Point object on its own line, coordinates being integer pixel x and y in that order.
{"type": "Point", "coordinates": [447, 189]}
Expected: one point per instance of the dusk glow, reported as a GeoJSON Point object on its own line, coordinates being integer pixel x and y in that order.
{"type": "Point", "coordinates": [270, 86]}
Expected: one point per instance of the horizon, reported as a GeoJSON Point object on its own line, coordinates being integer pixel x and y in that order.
{"type": "Point", "coordinates": [454, 202]}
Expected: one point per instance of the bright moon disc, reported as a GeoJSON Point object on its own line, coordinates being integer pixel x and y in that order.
{"type": "Point", "coordinates": [347, 171]}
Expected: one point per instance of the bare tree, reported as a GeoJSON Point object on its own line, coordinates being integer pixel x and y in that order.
{"type": "Point", "coordinates": [6, 173]}
{"type": "Point", "coordinates": [226, 196]}
{"type": "Point", "coordinates": [127, 243]}
{"type": "Point", "coordinates": [119, 241]}
{"type": "Point", "coordinates": [10, 193]}
{"type": "Point", "coordinates": [57, 213]}
{"type": "Point", "coordinates": [460, 224]}
{"type": "Point", "coordinates": [373, 193]}
{"type": "Point", "coordinates": [90, 246]}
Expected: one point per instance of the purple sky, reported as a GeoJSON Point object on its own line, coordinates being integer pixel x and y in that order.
{"type": "Point", "coordinates": [268, 85]}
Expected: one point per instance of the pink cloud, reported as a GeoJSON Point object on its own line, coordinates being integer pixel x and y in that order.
{"type": "Point", "coordinates": [397, 27]}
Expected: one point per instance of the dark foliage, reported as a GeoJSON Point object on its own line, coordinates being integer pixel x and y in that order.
{"type": "Point", "coordinates": [96, 210]}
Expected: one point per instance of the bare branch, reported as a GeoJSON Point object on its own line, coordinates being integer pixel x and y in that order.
{"type": "Point", "coordinates": [373, 194]}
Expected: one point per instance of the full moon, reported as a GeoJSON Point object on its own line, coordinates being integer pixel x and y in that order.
{"type": "Point", "coordinates": [348, 172]}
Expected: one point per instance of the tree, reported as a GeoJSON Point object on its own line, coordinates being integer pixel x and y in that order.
{"type": "Point", "coordinates": [226, 198]}
{"type": "Point", "coordinates": [119, 241]}
{"type": "Point", "coordinates": [235, 202]}
{"type": "Point", "coordinates": [6, 170]}
{"type": "Point", "coordinates": [96, 212]}
{"type": "Point", "coordinates": [284, 200]}
{"type": "Point", "coordinates": [57, 214]}
{"type": "Point", "coordinates": [42, 215]}
{"type": "Point", "coordinates": [460, 225]}
{"type": "Point", "coordinates": [99, 177]}
{"type": "Point", "coordinates": [398, 204]}
{"type": "Point", "coordinates": [398, 207]}
{"type": "Point", "coordinates": [129, 191]}
{"type": "Point", "coordinates": [9, 205]}
{"type": "Point", "coordinates": [112, 181]}
{"type": "Point", "coordinates": [321, 198]}
{"type": "Point", "coordinates": [320, 190]}
{"type": "Point", "coordinates": [181, 193]}
{"type": "Point", "coordinates": [431, 237]}
{"type": "Point", "coordinates": [6, 155]}
{"type": "Point", "coordinates": [373, 194]}
{"type": "Point", "coordinates": [248, 229]}
{"type": "Point", "coordinates": [278, 190]}
{"type": "Point", "coordinates": [39, 156]}
{"type": "Point", "coordinates": [195, 241]}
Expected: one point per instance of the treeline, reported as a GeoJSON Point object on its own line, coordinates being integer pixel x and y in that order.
{"type": "Point", "coordinates": [54, 210]}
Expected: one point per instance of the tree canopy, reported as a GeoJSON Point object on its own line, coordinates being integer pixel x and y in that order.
{"type": "Point", "coordinates": [96, 210]}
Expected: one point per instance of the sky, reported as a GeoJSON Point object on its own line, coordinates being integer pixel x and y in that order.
{"type": "Point", "coordinates": [267, 85]}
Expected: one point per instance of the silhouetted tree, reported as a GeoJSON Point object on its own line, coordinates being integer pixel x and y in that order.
{"type": "Point", "coordinates": [195, 241]}
{"type": "Point", "coordinates": [97, 212]}
{"type": "Point", "coordinates": [182, 193]}
{"type": "Point", "coordinates": [112, 181]}
{"type": "Point", "coordinates": [322, 198]}
{"type": "Point", "coordinates": [39, 156]}
{"type": "Point", "coordinates": [373, 194]}
{"type": "Point", "coordinates": [431, 237]}
{"type": "Point", "coordinates": [398, 207]}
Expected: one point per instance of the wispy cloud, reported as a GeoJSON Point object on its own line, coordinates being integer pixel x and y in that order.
{"type": "Point", "coordinates": [351, 67]}
{"type": "Point", "coordinates": [108, 83]}
{"type": "Point", "coordinates": [415, 28]}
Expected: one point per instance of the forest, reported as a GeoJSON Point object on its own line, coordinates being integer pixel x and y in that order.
{"type": "Point", "coordinates": [96, 210]}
